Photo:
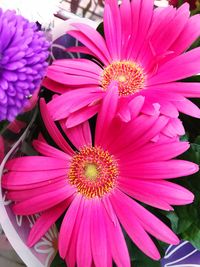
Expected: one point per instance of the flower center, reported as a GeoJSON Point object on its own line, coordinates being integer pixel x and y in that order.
{"type": "Point", "coordinates": [93, 171]}
{"type": "Point", "coordinates": [129, 76]}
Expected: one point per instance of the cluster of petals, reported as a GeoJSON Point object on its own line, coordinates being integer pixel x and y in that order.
{"type": "Point", "coordinates": [149, 43]}
{"type": "Point", "coordinates": [91, 233]}
{"type": "Point", "coordinates": [24, 51]}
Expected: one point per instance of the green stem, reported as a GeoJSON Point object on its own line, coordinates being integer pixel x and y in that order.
{"type": "Point", "coordinates": [3, 126]}
{"type": "Point", "coordinates": [180, 2]}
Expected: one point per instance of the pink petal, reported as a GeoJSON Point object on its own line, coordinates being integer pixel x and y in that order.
{"type": "Point", "coordinates": [1, 149]}
{"type": "Point", "coordinates": [171, 29]}
{"type": "Point", "coordinates": [141, 28]}
{"type": "Point", "coordinates": [171, 101]}
{"type": "Point", "coordinates": [71, 80]}
{"type": "Point", "coordinates": [188, 108]}
{"type": "Point", "coordinates": [80, 49]}
{"type": "Point", "coordinates": [148, 221]}
{"type": "Point", "coordinates": [49, 151]}
{"type": "Point", "coordinates": [82, 115]}
{"type": "Point", "coordinates": [173, 70]}
{"type": "Point", "coordinates": [130, 108]}
{"type": "Point", "coordinates": [189, 34]}
{"type": "Point", "coordinates": [36, 163]}
{"type": "Point", "coordinates": [55, 86]}
{"type": "Point", "coordinates": [72, 72]}
{"type": "Point", "coordinates": [126, 22]}
{"type": "Point", "coordinates": [67, 226]}
{"type": "Point", "coordinates": [160, 169]}
{"type": "Point", "coordinates": [135, 105]}
{"type": "Point", "coordinates": [132, 225]}
{"type": "Point", "coordinates": [149, 56]}
{"type": "Point", "coordinates": [152, 152]}
{"type": "Point", "coordinates": [95, 37]}
{"type": "Point", "coordinates": [159, 92]}
{"type": "Point", "coordinates": [161, 17]}
{"type": "Point", "coordinates": [153, 201]}
{"type": "Point", "coordinates": [43, 201]}
{"type": "Point", "coordinates": [79, 135]}
{"type": "Point", "coordinates": [106, 114]}
{"type": "Point", "coordinates": [91, 41]}
{"type": "Point", "coordinates": [124, 111]}
{"type": "Point", "coordinates": [151, 108]}
{"type": "Point", "coordinates": [53, 130]}
{"type": "Point", "coordinates": [167, 108]}
{"type": "Point", "coordinates": [112, 29]}
{"type": "Point", "coordinates": [109, 210]}
{"type": "Point", "coordinates": [61, 106]}
{"type": "Point", "coordinates": [30, 192]}
{"type": "Point", "coordinates": [178, 126]}
{"type": "Point", "coordinates": [99, 242]}
{"type": "Point", "coordinates": [16, 126]}
{"type": "Point", "coordinates": [86, 66]}
{"type": "Point", "coordinates": [72, 248]}
{"type": "Point", "coordinates": [135, 11]}
{"type": "Point", "coordinates": [116, 240]}
{"type": "Point", "coordinates": [45, 221]}
{"type": "Point", "coordinates": [84, 250]}
{"type": "Point", "coordinates": [140, 131]}
{"type": "Point", "coordinates": [134, 129]}
{"type": "Point", "coordinates": [185, 89]}
{"type": "Point", "coordinates": [156, 128]}
{"type": "Point", "coordinates": [26, 186]}
{"type": "Point", "coordinates": [170, 130]}
{"type": "Point", "coordinates": [158, 190]}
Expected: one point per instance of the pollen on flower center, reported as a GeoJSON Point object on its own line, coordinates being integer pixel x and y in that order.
{"type": "Point", "coordinates": [129, 76]}
{"type": "Point", "coordinates": [93, 171]}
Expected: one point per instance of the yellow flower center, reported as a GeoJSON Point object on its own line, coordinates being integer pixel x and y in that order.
{"type": "Point", "coordinates": [129, 76]}
{"type": "Point", "coordinates": [93, 171]}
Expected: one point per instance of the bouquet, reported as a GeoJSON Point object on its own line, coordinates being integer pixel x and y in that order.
{"type": "Point", "coordinates": [106, 171]}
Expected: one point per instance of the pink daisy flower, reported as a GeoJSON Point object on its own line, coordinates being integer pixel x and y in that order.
{"type": "Point", "coordinates": [98, 184]}
{"type": "Point", "coordinates": [143, 51]}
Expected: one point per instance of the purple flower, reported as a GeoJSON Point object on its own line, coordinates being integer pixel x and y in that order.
{"type": "Point", "coordinates": [182, 255]}
{"type": "Point", "coordinates": [23, 55]}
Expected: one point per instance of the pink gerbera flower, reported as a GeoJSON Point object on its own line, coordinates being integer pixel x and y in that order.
{"type": "Point", "coordinates": [143, 51]}
{"type": "Point", "coordinates": [96, 184]}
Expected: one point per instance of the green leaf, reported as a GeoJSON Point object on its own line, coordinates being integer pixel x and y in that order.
{"type": "Point", "coordinates": [100, 29]}
{"type": "Point", "coordinates": [58, 262]}
{"type": "Point", "coordinates": [172, 216]}
{"type": "Point", "coordinates": [197, 141]}
{"type": "Point", "coordinates": [138, 258]}
{"type": "Point", "coordinates": [193, 235]}
{"type": "Point", "coordinates": [146, 263]}
{"type": "Point", "coordinates": [185, 137]}
{"type": "Point", "coordinates": [3, 125]}
{"type": "Point", "coordinates": [186, 219]}
{"type": "Point", "coordinates": [197, 42]}
{"type": "Point", "coordinates": [183, 225]}
{"type": "Point", "coordinates": [180, 2]}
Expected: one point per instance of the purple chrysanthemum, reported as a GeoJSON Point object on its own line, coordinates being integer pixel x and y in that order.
{"type": "Point", "coordinates": [23, 55]}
